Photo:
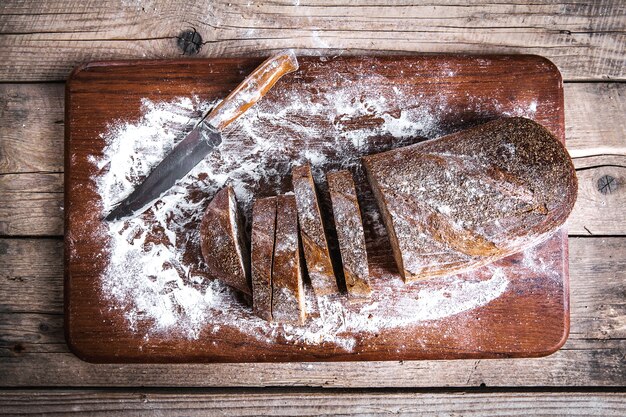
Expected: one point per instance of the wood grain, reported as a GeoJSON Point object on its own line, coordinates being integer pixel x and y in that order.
{"type": "Point", "coordinates": [31, 128]}
{"type": "Point", "coordinates": [31, 276]}
{"type": "Point", "coordinates": [33, 332]}
{"type": "Point", "coordinates": [333, 403]}
{"type": "Point", "coordinates": [585, 40]}
{"type": "Point", "coordinates": [31, 204]}
{"type": "Point", "coordinates": [594, 119]}
{"type": "Point", "coordinates": [252, 89]}
{"type": "Point", "coordinates": [34, 352]}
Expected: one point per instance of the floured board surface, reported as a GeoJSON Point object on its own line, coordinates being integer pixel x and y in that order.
{"type": "Point", "coordinates": [137, 291]}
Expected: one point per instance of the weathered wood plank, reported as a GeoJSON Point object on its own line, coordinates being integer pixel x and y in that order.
{"type": "Point", "coordinates": [36, 333]}
{"type": "Point", "coordinates": [44, 40]}
{"type": "Point", "coordinates": [31, 182]}
{"type": "Point", "coordinates": [31, 204]}
{"type": "Point", "coordinates": [40, 333]}
{"type": "Point", "coordinates": [31, 125]}
{"type": "Point", "coordinates": [292, 402]}
{"type": "Point", "coordinates": [599, 366]}
{"type": "Point", "coordinates": [33, 353]}
{"type": "Point", "coordinates": [31, 276]}
{"type": "Point", "coordinates": [594, 119]}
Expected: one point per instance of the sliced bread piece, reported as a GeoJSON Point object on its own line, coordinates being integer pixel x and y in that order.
{"type": "Point", "coordinates": [350, 233]}
{"type": "Point", "coordinates": [263, 234]}
{"type": "Point", "coordinates": [222, 242]}
{"type": "Point", "coordinates": [288, 303]}
{"type": "Point", "coordinates": [316, 253]}
{"type": "Point", "coordinates": [461, 201]}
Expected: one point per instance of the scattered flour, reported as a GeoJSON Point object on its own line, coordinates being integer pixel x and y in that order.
{"type": "Point", "coordinates": [154, 273]}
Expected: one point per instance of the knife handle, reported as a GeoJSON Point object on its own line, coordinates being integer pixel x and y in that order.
{"type": "Point", "coordinates": [252, 89]}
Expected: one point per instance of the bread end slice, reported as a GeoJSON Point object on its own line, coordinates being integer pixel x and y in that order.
{"type": "Point", "coordinates": [222, 242]}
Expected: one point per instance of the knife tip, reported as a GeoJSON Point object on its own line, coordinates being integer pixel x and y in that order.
{"type": "Point", "coordinates": [112, 216]}
{"type": "Point", "coordinates": [117, 213]}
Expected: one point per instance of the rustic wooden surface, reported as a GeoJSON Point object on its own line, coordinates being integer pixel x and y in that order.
{"type": "Point", "coordinates": [334, 403]}
{"type": "Point", "coordinates": [584, 39]}
{"type": "Point", "coordinates": [41, 41]}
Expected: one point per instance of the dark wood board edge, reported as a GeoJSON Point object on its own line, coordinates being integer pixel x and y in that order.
{"type": "Point", "coordinates": [91, 65]}
{"type": "Point", "coordinates": [67, 280]}
{"type": "Point", "coordinates": [564, 236]}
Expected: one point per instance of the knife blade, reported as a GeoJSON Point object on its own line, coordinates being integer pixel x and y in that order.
{"type": "Point", "coordinates": [206, 135]}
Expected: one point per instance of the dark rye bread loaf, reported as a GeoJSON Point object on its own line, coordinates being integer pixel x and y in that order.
{"type": "Point", "coordinates": [316, 253]}
{"type": "Point", "coordinates": [262, 254]}
{"type": "Point", "coordinates": [349, 225]}
{"type": "Point", "coordinates": [288, 298]}
{"type": "Point", "coordinates": [222, 242]}
{"type": "Point", "coordinates": [461, 201]}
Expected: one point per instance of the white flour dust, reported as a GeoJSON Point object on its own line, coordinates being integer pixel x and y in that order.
{"type": "Point", "coordinates": [154, 277]}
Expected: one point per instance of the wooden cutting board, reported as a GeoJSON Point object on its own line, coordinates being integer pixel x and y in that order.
{"type": "Point", "coordinates": [330, 112]}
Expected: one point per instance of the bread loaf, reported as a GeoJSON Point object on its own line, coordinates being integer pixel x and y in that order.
{"type": "Point", "coordinates": [350, 233]}
{"type": "Point", "coordinates": [461, 201]}
{"type": "Point", "coordinates": [288, 303]}
{"type": "Point", "coordinates": [222, 242]}
{"type": "Point", "coordinates": [316, 253]}
{"type": "Point", "coordinates": [263, 234]}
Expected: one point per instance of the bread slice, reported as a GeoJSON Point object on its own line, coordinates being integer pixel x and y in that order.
{"type": "Point", "coordinates": [350, 233]}
{"type": "Point", "coordinates": [263, 234]}
{"type": "Point", "coordinates": [288, 304]}
{"type": "Point", "coordinates": [316, 253]}
{"type": "Point", "coordinates": [461, 201]}
{"type": "Point", "coordinates": [222, 242]}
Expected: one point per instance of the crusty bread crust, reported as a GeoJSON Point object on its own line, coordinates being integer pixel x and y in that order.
{"type": "Point", "coordinates": [262, 254]}
{"type": "Point", "coordinates": [349, 225]}
{"type": "Point", "coordinates": [316, 253]}
{"type": "Point", "coordinates": [461, 201]}
{"type": "Point", "coordinates": [288, 302]}
{"type": "Point", "coordinates": [222, 243]}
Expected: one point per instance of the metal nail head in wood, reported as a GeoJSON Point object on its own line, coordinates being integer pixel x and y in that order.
{"type": "Point", "coordinates": [607, 184]}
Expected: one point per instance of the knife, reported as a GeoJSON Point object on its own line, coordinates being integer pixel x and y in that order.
{"type": "Point", "coordinates": [206, 135]}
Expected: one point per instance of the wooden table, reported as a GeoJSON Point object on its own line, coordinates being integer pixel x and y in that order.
{"type": "Point", "coordinates": [40, 42]}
